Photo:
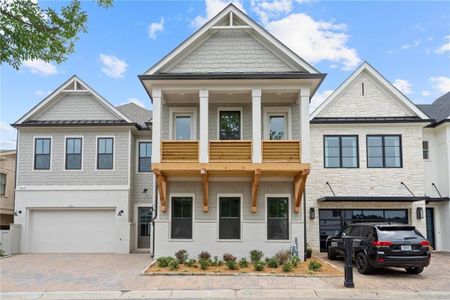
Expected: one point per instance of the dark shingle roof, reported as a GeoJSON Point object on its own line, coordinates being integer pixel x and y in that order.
{"type": "Point", "coordinates": [439, 110]}
{"type": "Point", "coordinates": [136, 113]}
{"type": "Point", "coordinates": [358, 120]}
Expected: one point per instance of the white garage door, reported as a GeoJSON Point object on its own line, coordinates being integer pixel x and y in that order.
{"type": "Point", "coordinates": [71, 231]}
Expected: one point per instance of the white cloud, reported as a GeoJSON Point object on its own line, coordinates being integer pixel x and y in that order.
{"type": "Point", "coordinates": [267, 9]}
{"type": "Point", "coordinates": [404, 86]}
{"type": "Point", "coordinates": [316, 41]}
{"type": "Point", "coordinates": [318, 98]}
{"type": "Point", "coordinates": [7, 136]}
{"type": "Point", "coordinates": [445, 47]}
{"type": "Point", "coordinates": [41, 93]}
{"type": "Point", "coordinates": [40, 67]}
{"type": "Point", "coordinates": [113, 66]}
{"type": "Point", "coordinates": [414, 44]}
{"type": "Point", "coordinates": [135, 101]}
{"type": "Point", "coordinates": [154, 28]}
{"type": "Point", "coordinates": [212, 8]}
{"type": "Point", "coordinates": [425, 93]}
{"type": "Point", "coordinates": [441, 83]}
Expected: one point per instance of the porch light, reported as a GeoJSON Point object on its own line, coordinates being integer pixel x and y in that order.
{"type": "Point", "coordinates": [145, 191]}
{"type": "Point", "coordinates": [312, 213]}
{"type": "Point", "coordinates": [120, 213]}
{"type": "Point", "coordinates": [419, 213]}
{"type": "Point", "coordinates": [17, 212]}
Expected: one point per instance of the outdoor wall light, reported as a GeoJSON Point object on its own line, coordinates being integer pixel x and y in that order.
{"type": "Point", "coordinates": [419, 213]}
{"type": "Point", "coordinates": [312, 213]}
{"type": "Point", "coordinates": [120, 213]}
{"type": "Point", "coordinates": [145, 191]}
{"type": "Point", "coordinates": [17, 212]}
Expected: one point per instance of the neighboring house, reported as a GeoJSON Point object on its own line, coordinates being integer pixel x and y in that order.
{"type": "Point", "coordinates": [83, 174]}
{"type": "Point", "coordinates": [367, 161]}
{"type": "Point", "coordinates": [436, 155]}
{"type": "Point", "coordinates": [7, 182]}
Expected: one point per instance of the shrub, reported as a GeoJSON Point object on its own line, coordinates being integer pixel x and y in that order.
{"type": "Point", "coordinates": [283, 256]}
{"type": "Point", "coordinates": [204, 263]}
{"type": "Point", "coordinates": [182, 256]}
{"type": "Point", "coordinates": [314, 265]}
{"type": "Point", "coordinates": [308, 251]}
{"type": "Point", "coordinates": [190, 262]}
{"type": "Point", "coordinates": [204, 255]}
{"type": "Point", "coordinates": [295, 260]}
{"type": "Point", "coordinates": [215, 261]}
{"type": "Point", "coordinates": [287, 267]}
{"type": "Point", "coordinates": [164, 261]}
{"type": "Point", "coordinates": [243, 263]}
{"type": "Point", "coordinates": [231, 264]}
{"type": "Point", "coordinates": [272, 262]}
{"type": "Point", "coordinates": [2, 253]}
{"type": "Point", "coordinates": [173, 265]}
{"type": "Point", "coordinates": [256, 255]}
{"type": "Point", "coordinates": [228, 257]}
{"type": "Point", "coordinates": [259, 265]}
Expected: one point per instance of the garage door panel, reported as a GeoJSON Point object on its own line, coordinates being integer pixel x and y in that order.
{"type": "Point", "coordinates": [72, 231]}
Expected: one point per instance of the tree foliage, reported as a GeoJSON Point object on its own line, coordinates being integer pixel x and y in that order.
{"type": "Point", "coordinates": [28, 32]}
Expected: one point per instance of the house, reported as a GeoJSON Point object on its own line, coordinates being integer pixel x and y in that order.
{"type": "Point", "coordinates": [7, 182]}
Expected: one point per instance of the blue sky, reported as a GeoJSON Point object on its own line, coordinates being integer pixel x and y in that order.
{"type": "Point", "coordinates": [408, 42]}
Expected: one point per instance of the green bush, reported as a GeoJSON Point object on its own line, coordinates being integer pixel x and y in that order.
{"type": "Point", "coordinates": [295, 260]}
{"type": "Point", "coordinates": [287, 266]}
{"type": "Point", "coordinates": [2, 253]}
{"type": "Point", "coordinates": [228, 257]}
{"type": "Point", "coordinates": [190, 262]}
{"type": "Point", "coordinates": [204, 255]}
{"type": "Point", "coordinates": [231, 264]}
{"type": "Point", "coordinates": [215, 261]}
{"type": "Point", "coordinates": [164, 261]}
{"type": "Point", "coordinates": [243, 263]}
{"type": "Point", "coordinates": [256, 255]}
{"type": "Point", "coordinates": [173, 265]}
{"type": "Point", "coordinates": [314, 265]}
{"type": "Point", "coordinates": [259, 265]}
{"type": "Point", "coordinates": [182, 255]}
{"type": "Point", "coordinates": [283, 256]}
{"type": "Point", "coordinates": [204, 263]}
{"type": "Point", "coordinates": [272, 262]}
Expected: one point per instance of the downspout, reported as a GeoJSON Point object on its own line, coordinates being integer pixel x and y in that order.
{"type": "Point", "coordinates": [304, 225]}
{"type": "Point", "coordinates": [155, 206]}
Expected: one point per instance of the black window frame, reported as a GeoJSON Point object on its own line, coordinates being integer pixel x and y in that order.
{"type": "Point", "coordinates": [49, 154]}
{"type": "Point", "coordinates": [340, 136]}
{"type": "Point", "coordinates": [383, 136]}
{"type": "Point", "coordinates": [73, 154]}
{"type": "Point", "coordinates": [268, 223]}
{"type": "Point", "coordinates": [172, 217]}
{"type": "Point", "coordinates": [144, 157]}
{"type": "Point", "coordinates": [223, 219]}
{"type": "Point", "coordinates": [426, 151]}
{"type": "Point", "coordinates": [221, 111]}
{"type": "Point", "coordinates": [98, 153]}
{"type": "Point", "coordinates": [3, 184]}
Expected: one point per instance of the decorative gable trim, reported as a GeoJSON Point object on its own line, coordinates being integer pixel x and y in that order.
{"type": "Point", "coordinates": [381, 80]}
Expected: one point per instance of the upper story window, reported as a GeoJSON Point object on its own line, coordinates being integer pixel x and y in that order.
{"type": "Point", "coordinates": [230, 125]}
{"type": "Point", "coordinates": [277, 127]}
{"type": "Point", "coordinates": [73, 153]}
{"type": "Point", "coordinates": [105, 153]}
{"type": "Point", "coordinates": [42, 148]}
{"type": "Point", "coordinates": [183, 123]}
{"type": "Point", "coordinates": [2, 183]}
{"type": "Point", "coordinates": [145, 157]}
{"type": "Point", "coordinates": [341, 151]}
{"type": "Point", "coordinates": [426, 149]}
{"type": "Point", "coordinates": [183, 127]}
{"type": "Point", "coordinates": [277, 122]}
{"type": "Point", "coordinates": [384, 151]}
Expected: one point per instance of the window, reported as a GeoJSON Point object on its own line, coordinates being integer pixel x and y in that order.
{"type": "Point", "coordinates": [229, 218]}
{"type": "Point", "coordinates": [341, 151]}
{"type": "Point", "coordinates": [230, 125]}
{"type": "Point", "coordinates": [42, 150]}
{"type": "Point", "coordinates": [277, 127]}
{"type": "Point", "coordinates": [2, 183]}
{"type": "Point", "coordinates": [181, 218]}
{"type": "Point", "coordinates": [384, 151]}
{"type": "Point", "coordinates": [277, 218]}
{"type": "Point", "coordinates": [145, 157]}
{"type": "Point", "coordinates": [73, 154]}
{"type": "Point", "coordinates": [105, 150]}
{"type": "Point", "coordinates": [183, 127]}
{"type": "Point", "coordinates": [426, 150]}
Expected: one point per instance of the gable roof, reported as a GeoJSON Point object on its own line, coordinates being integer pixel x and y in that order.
{"type": "Point", "coordinates": [137, 114]}
{"type": "Point", "coordinates": [439, 110]}
{"type": "Point", "coordinates": [365, 66]}
{"type": "Point", "coordinates": [241, 21]}
{"type": "Point", "coordinates": [74, 84]}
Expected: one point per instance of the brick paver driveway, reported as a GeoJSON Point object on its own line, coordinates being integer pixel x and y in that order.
{"type": "Point", "coordinates": [66, 272]}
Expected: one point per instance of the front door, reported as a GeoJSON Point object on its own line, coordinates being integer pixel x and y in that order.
{"type": "Point", "coordinates": [144, 219]}
{"type": "Point", "coordinates": [430, 226]}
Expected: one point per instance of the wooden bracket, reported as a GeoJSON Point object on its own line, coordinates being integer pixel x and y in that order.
{"type": "Point", "coordinates": [299, 188]}
{"type": "Point", "coordinates": [204, 174]}
{"type": "Point", "coordinates": [255, 188]}
{"type": "Point", "coordinates": [161, 180]}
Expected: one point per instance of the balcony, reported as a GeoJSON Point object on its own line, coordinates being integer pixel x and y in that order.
{"type": "Point", "coordinates": [281, 151]}
{"type": "Point", "coordinates": [179, 151]}
{"type": "Point", "coordinates": [230, 151]}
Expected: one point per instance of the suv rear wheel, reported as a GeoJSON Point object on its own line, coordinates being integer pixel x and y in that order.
{"type": "Point", "coordinates": [331, 253]}
{"type": "Point", "coordinates": [414, 270]}
{"type": "Point", "coordinates": [362, 264]}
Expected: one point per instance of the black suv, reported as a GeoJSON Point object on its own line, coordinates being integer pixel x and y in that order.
{"type": "Point", "coordinates": [383, 245]}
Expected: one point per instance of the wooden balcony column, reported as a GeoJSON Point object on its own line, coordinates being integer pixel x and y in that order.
{"type": "Point", "coordinates": [161, 181]}
{"type": "Point", "coordinates": [205, 190]}
{"type": "Point", "coordinates": [255, 188]}
{"type": "Point", "coordinates": [299, 188]}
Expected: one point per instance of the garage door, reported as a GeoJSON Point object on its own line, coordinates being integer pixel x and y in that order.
{"type": "Point", "coordinates": [71, 231]}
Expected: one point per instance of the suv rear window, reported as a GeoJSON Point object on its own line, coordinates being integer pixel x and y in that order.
{"type": "Point", "coordinates": [398, 233]}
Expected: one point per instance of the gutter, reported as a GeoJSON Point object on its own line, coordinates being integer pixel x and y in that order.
{"type": "Point", "coordinates": [155, 206]}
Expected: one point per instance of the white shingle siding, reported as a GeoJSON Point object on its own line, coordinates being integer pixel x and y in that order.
{"type": "Point", "coordinates": [231, 50]}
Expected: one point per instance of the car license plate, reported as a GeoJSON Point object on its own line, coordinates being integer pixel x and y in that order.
{"type": "Point", "coordinates": [406, 247]}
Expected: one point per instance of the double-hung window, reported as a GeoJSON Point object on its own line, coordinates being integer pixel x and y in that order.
{"type": "Point", "coordinates": [341, 151]}
{"type": "Point", "coordinates": [73, 153]}
{"type": "Point", "coordinates": [181, 218]}
{"type": "Point", "coordinates": [229, 218]}
{"type": "Point", "coordinates": [384, 151]}
{"type": "Point", "coordinates": [2, 183]}
{"type": "Point", "coordinates": [230, 125]}
{"type": "Point", "coordinates": [42, 150]}
{"type": "Point", "coordinates": [145, 156]}
{"type": "Point", "coordinates": [426, 149]}
{"type": "Point", "coordinates": [277, 218]}
{"type": "Point", "coordinates": [105, 153]}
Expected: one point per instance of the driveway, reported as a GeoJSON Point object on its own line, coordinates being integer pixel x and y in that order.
{"type": "Point", "coordinates": [115, 272]}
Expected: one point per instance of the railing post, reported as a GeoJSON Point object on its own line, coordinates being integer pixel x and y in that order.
{"type": "Point", "coordinates": [156, 126]}
{"type": "Point", "coordinates": [256, 126]}
{"type": "Point", "coordinates": [203, 147]}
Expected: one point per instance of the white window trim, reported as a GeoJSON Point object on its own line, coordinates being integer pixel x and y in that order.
{"type": "Point", "coordinates": [266, 197]}
{"type": "Point", "coordinates": [220, 195]}
{"type": "Point", "coordinates": [96, 153]}
{"type": "Point", "coordinates": [137, 155]}
{"type": "Point", "coordinates": [136, 220]}
{"type": "Point", "coordinates": [277, 110]}
{"type": "Point", "coordinates": [188, 111]}
{"type": "Point", "coordinates": [34, 154]}
{"type": "Point", "coordinates": [230, 108]}
{"type": "Point", "coordinates": [172, 195]}
{"type": "Point", "coordinates": [82, 152]}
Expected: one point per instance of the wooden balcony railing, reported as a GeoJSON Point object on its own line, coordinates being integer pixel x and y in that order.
{"type": "Point", "coordinates": [230, 151]}
{"type": "Point", "coordinates": [281, 151]}
{"type": "Point", "coordinates": [179, 151]}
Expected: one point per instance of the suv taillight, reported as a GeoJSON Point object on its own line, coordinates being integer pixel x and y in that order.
{"type": "Point", "coordinates": [382, 243]}
{"type": "Point", "coordinates": [425, 243]}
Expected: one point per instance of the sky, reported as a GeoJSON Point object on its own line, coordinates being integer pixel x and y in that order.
{"type": "Point", "coordinates": [408, 42]}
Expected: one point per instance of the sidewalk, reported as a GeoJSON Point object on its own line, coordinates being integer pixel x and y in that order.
{"type": "Point", "coordinates": [229, 294]}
